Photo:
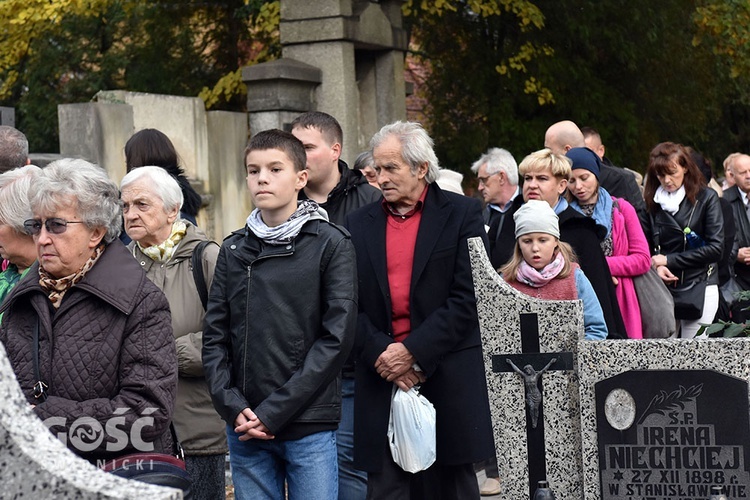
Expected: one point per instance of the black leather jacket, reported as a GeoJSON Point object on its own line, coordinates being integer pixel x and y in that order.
{"type": "Point", "coordinates": [706, 219]}
{"type": "Point", "coordinates": [279, 325]}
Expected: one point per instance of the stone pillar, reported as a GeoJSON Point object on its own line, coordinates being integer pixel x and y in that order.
{"type": "Point", "coordinates": [358, 48]}
{"type": "Point", "coordinates": [96, 132]}
{"type": "Point", "coordinates": [278, 91]}
{"type": "Point", "coordinates": [230, 204]}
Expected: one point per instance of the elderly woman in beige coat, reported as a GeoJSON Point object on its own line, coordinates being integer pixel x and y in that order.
{"type": "Point", "coordinates": [163, 244]}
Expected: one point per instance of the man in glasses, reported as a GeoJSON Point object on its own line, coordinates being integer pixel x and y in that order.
{"type": "Point", "coordinates": [497, 172]}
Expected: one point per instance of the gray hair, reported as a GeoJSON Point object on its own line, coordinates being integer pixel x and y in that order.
{"type": "Point", "coordinates": [364, 159]}
{"type": "Point", "coordinates": [15, 188]}
{"type": "Point", "coordinates": [416, 146]}
{"type": "Point", "coordinates": [70, 180]}
{"type": "Point", "coordinates": [162, 185]}
{"type": "Point", "coordinates": [497, 160]}
{"type": "Point", "coordinates": [14, 148]}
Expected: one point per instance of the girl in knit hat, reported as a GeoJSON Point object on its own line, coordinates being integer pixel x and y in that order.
{"type": "Point", "coordinates": [545, 267]}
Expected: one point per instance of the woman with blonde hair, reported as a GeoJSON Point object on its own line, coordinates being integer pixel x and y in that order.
{"type": "Point", "coordinates": [545, 177]}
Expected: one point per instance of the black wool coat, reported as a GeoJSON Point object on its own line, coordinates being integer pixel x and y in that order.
{"type": "Point", "coordinates": [444, 336]}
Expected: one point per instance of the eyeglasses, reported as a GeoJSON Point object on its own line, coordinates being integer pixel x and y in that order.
{"type": "Point", "coordinates": [54, 226]}
{"type": "Point", "coordinates": [483, 180]}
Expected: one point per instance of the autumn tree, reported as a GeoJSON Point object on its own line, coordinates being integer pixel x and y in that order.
{"type": "Point", "coordinates": [500, 72]}
{"type": "Point", "coordinates": [724, 27]}
{"type": "Point", "coordinates": [68, 50]}
{"type": "Point", "coordinates": [482, 62]}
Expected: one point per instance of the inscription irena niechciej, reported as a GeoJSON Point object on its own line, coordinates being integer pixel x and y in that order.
{"type": "Point", "coordinates": [672, 452]}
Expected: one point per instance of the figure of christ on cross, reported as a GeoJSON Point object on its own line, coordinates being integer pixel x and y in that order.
{"type": "Point", "coordinates": [531, 382]}
{"type": "Point", "coordinates": [530, 357]}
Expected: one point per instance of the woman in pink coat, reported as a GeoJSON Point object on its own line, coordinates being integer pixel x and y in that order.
{"type": "Point", "coordinates": [624, 245]}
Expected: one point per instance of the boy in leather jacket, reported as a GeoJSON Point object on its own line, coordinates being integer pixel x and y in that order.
{"type": "Point", "coordinates": [279, 325]}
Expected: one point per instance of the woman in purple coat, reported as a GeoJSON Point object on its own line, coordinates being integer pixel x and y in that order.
{"type": "Point", "coordinates": [625, 245]}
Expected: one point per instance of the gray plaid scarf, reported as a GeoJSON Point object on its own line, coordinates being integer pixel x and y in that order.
{"type": "Point", "coordinates": [286, 232]}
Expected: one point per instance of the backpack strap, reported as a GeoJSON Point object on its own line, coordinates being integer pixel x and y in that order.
{"type": "Point", "coordinates": [196, 262]}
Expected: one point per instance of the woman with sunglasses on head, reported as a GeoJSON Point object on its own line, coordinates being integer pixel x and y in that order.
{"type": "Point", "coordinates": [88, 335]}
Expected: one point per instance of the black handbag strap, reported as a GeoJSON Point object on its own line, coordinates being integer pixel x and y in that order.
{"type": "Point", "coordinates": [196, 262]}
{"type": "Point", "coordinates": [655, 236]}
{"type": "Point", "coordinates": [655, 233]}
{"type": "Point", "coordinates": [40, 387]}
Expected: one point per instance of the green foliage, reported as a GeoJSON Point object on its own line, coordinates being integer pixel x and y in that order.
{"type": "Point", "coordinates": [264, 18]}
{"type": "Point", "coordinates": [728, 329]}
{"type": "Point", "coordinates": [724, 28]}
{"type": "Point", "coordinates": [725, 329]}
{"type": "Point", "coordinates": [500, 72]}
{"type": "Point", "coordinates": [482, 61]}
{"type": "Point", "coordinates": [68, 50]}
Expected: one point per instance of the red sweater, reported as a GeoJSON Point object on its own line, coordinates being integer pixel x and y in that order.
{"type": "Point", "coordinates": [400, 239]}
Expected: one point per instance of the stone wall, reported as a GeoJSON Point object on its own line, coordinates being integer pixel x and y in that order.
{"type": "Point", "coordinates": [210, 145]}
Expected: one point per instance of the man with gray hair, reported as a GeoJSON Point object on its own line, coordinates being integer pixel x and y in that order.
{"type": "Point", "coordinates": [418, 320]}
{"type": "Point", "coordinates": [14, 149]}
{"type": "Point", "coordinates": [497, 172]}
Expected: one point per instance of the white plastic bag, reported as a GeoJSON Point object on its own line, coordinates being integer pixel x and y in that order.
{"type": "Point", "coordinates": [411, 430]}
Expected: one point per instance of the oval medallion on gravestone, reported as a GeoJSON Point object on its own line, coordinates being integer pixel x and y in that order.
{"type": "Point", "coordinates": [619, 408]}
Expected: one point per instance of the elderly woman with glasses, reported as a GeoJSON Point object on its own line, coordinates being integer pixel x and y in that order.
{"type": "Point", "coordinates": [16, 245]}
{"type": "Point", "coordinates": [88, 335]}
{"type": "Point", "coordinates": [167, 247]}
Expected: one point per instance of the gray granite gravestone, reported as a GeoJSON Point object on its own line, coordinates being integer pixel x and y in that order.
{"type": "Point", "coordinates": [7, 116]}
{"type": "Point", "coordinates": [35, 464]}
{"type": "Point", "coordinates": [560, 327]}
{"type": "Point", "coordinates": [665, 419]}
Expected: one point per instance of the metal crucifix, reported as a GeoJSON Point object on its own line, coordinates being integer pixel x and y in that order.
{"type": "Point", "coordinates": [534, 364]}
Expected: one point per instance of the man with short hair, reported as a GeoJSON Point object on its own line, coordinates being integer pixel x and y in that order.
{"type": "Point", "coordinates": [497, 172]}
{"type": "Point", "coordinates": [331, 183]}
{"type": "Point", "coordinates": [418, 320]}
{"type": "Point", "coordinates": [737, 196]}
{"type": "Point", "coordinates": [564, 135]}
{"type": "Point", "coordinates": [14, 149]}
{"type": "Point", "coordinates": [728, 175]}
{"type": "Point", "coordinates": [593, 141]}
{"type": "Point", "coordinates": [339, 190]}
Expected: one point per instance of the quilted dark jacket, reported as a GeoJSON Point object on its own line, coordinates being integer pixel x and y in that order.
{"type": "Point", "coordinates": [107, 353]}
